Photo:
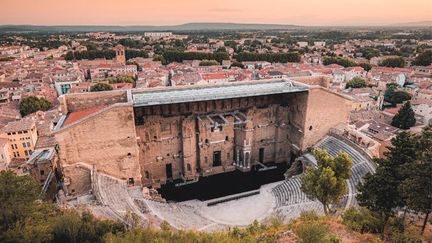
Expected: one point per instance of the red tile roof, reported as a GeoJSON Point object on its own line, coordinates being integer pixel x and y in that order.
{"type": "Point", "coordinates": [78, 115]}
{"type": "Point", "coordinates": [394, 110]}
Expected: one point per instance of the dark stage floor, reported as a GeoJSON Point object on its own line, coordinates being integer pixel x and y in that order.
{"type": "Point", "coordinates": [222, 185]}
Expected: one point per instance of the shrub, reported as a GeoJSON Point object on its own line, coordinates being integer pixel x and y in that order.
{"type": "Point", "coordinates": [363, 221]}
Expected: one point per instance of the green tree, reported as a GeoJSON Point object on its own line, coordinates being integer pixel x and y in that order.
{"type": "Point", "coordinates": [356, 83]}
{"type": "Point", "coordinates": [16, 194]}
{"type": "Point", "coordinates": [399, 96]}
{"type": "Point", "coordinates": [32, 104]}
{"type": "Point", "coordinates": [208, 63]}
{"type": "Point", "coordinates": [405, 118]}
{"type": "Point", "coordinates": [393, 62]}
{"type": "Point", "coordinates": [101, 87]}
{"type": "Point", "coordinates": [380, 192]}
{"type": "Point", "coordinates": [417, 187]}
{"type": "Point", "coordinates": [327, 183]}
{"type": "Point", "coordinates": [423, 59]}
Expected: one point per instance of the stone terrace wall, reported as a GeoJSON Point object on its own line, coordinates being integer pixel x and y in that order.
{"type": "Point", "coordinates": [77, 102]}
{"type": "Point", "coordinates": [106, 139]}
{"type": "Point", "coordinates": [323, 81]}
{"type": "Point", "coordinates": [325, 110]}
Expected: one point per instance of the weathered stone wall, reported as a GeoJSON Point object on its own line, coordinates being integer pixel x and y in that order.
{"type": "Point", "coordinates": [77, 180]}
{"type": "Point", "coordinates": [106, 140]}
{"type": "Point", "coordinates": [189, 137]}
{"type": "Point", "coordinates": [160, 145]}
{"type": "Point", "coordinates": [82, 101]}
{"type": "Point", "coordinates": [325, 109]}
{"type": "Point", "coordinates": [322, 80]}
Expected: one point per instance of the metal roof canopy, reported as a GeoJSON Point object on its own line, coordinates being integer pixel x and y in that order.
{"type": "Point", "coordinates": [205, 93]}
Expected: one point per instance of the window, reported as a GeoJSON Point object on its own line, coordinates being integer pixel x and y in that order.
{"type": "Point", "coordinates": [12, 146]}
{"type": "Point", "coordinates": [26, 152]}
{"type": "Point", "coordinates": [310, 128]}
{"type": "Point", "coordinates": [14, 154]}
{"type": "Point", "coordinates": [226, 138]}
{"type": "Point", "coordinates": [42, 172]}
{"type": "Point", "coordinates": [217, 158]}
{"type": "Point", "coordinates": [18, 155]}
{"type": "Point", "coordinates": [28, 144]}
{"type": "Point", "coordinates": [147, 174]}
{"type": "Point", "coordinates": [24, 145]}
{"type": "Point", "coordinates": [189, 168]}
{"type": "Point", "coordinates": [30, 152]}
{"type": "Point", "coordinates": [166, 127]}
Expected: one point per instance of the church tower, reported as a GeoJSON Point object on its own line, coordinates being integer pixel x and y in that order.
{"type": "Point", "coordinates": [120, 54]}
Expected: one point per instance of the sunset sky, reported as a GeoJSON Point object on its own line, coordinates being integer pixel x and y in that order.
{"type": "Point", "coordinates": [166, 12]}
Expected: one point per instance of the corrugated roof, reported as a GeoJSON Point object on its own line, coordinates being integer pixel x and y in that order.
{"type": "Point", "coordinates": [204, 93]}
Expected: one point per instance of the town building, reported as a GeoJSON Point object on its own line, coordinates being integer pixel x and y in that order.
{"type": "Point", "coordinates": [22, 136]}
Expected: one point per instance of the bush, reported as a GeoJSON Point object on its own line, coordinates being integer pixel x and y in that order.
{"type": "Point", "coordinates": [310, 228]}
{"type": "Point", "coordinates": [363, 221]}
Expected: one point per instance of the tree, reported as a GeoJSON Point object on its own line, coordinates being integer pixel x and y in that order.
{"type": "Point", "coordinates": [16, 194]}
{"type": "Point", "coordinates": [393, 62]}
{"type": "Point", "coordinates": [398, 97]}
{"type": "Point", "coordinates": [423, 59]}
{"type": "Point", "coordinates": [208, 63]}
{"type": "Point", "coordinates": [32, 104]}
{"type": "Point", "coordinates": [417, 187]}
{"type": "Point", "coordinates": [339, 61]}
{"type": "Point", "coordinates": [367, 67]}
{"type": "Point", "coordinates": [356, 83]}
{"type": "Point", "coordinates": [101, 87]}
{"type": "Point", "coordinates": [327, 182]}
{"type": "Point", "coordinates": [405, 118]}
{"type": "Point", "coordinates": [380, 192]}
{"type": "Point", "coordinates": [124, 79]}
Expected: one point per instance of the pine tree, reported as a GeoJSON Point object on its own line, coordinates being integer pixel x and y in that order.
{"type": "Point", "coordinates": [380, 192]}
{"type": "Point", "coordinates": [417, 187]}
{"type": "Point", "coordinates": [405, 118]}
{"type": "Point", "coordinates": [327, 183]}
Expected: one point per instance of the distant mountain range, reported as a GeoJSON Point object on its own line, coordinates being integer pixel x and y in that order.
{"type": "Point", "coordinates": [182, 27]}
{"type": "Point", "coordinates": [414, 24]}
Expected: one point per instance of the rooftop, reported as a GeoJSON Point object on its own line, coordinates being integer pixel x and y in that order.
{"type": "Point", "coordinates": [16, 126]}
{"type": "Point", "coordinates": [205, 93]}
{"type": "Point", "coordinates": [78, 115]}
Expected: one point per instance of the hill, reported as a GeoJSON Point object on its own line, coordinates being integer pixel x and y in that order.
{"type": "Point", "coordinates": [140, 28]}
{"type": "Point", "coordinates": [414, 24]}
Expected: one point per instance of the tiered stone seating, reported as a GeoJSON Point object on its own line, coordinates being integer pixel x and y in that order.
{"type": "Point", "coordinates": [113, 194]}
{"type": "Point", "coordinates": [291, 201]}
{"type": "Point", "coordinates": [179, 215]}
{"type": "Point", "coordinates": [289, 193]}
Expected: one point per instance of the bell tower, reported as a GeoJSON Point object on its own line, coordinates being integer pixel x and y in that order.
{"type": "Point", "coordinates": [120, 54]}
